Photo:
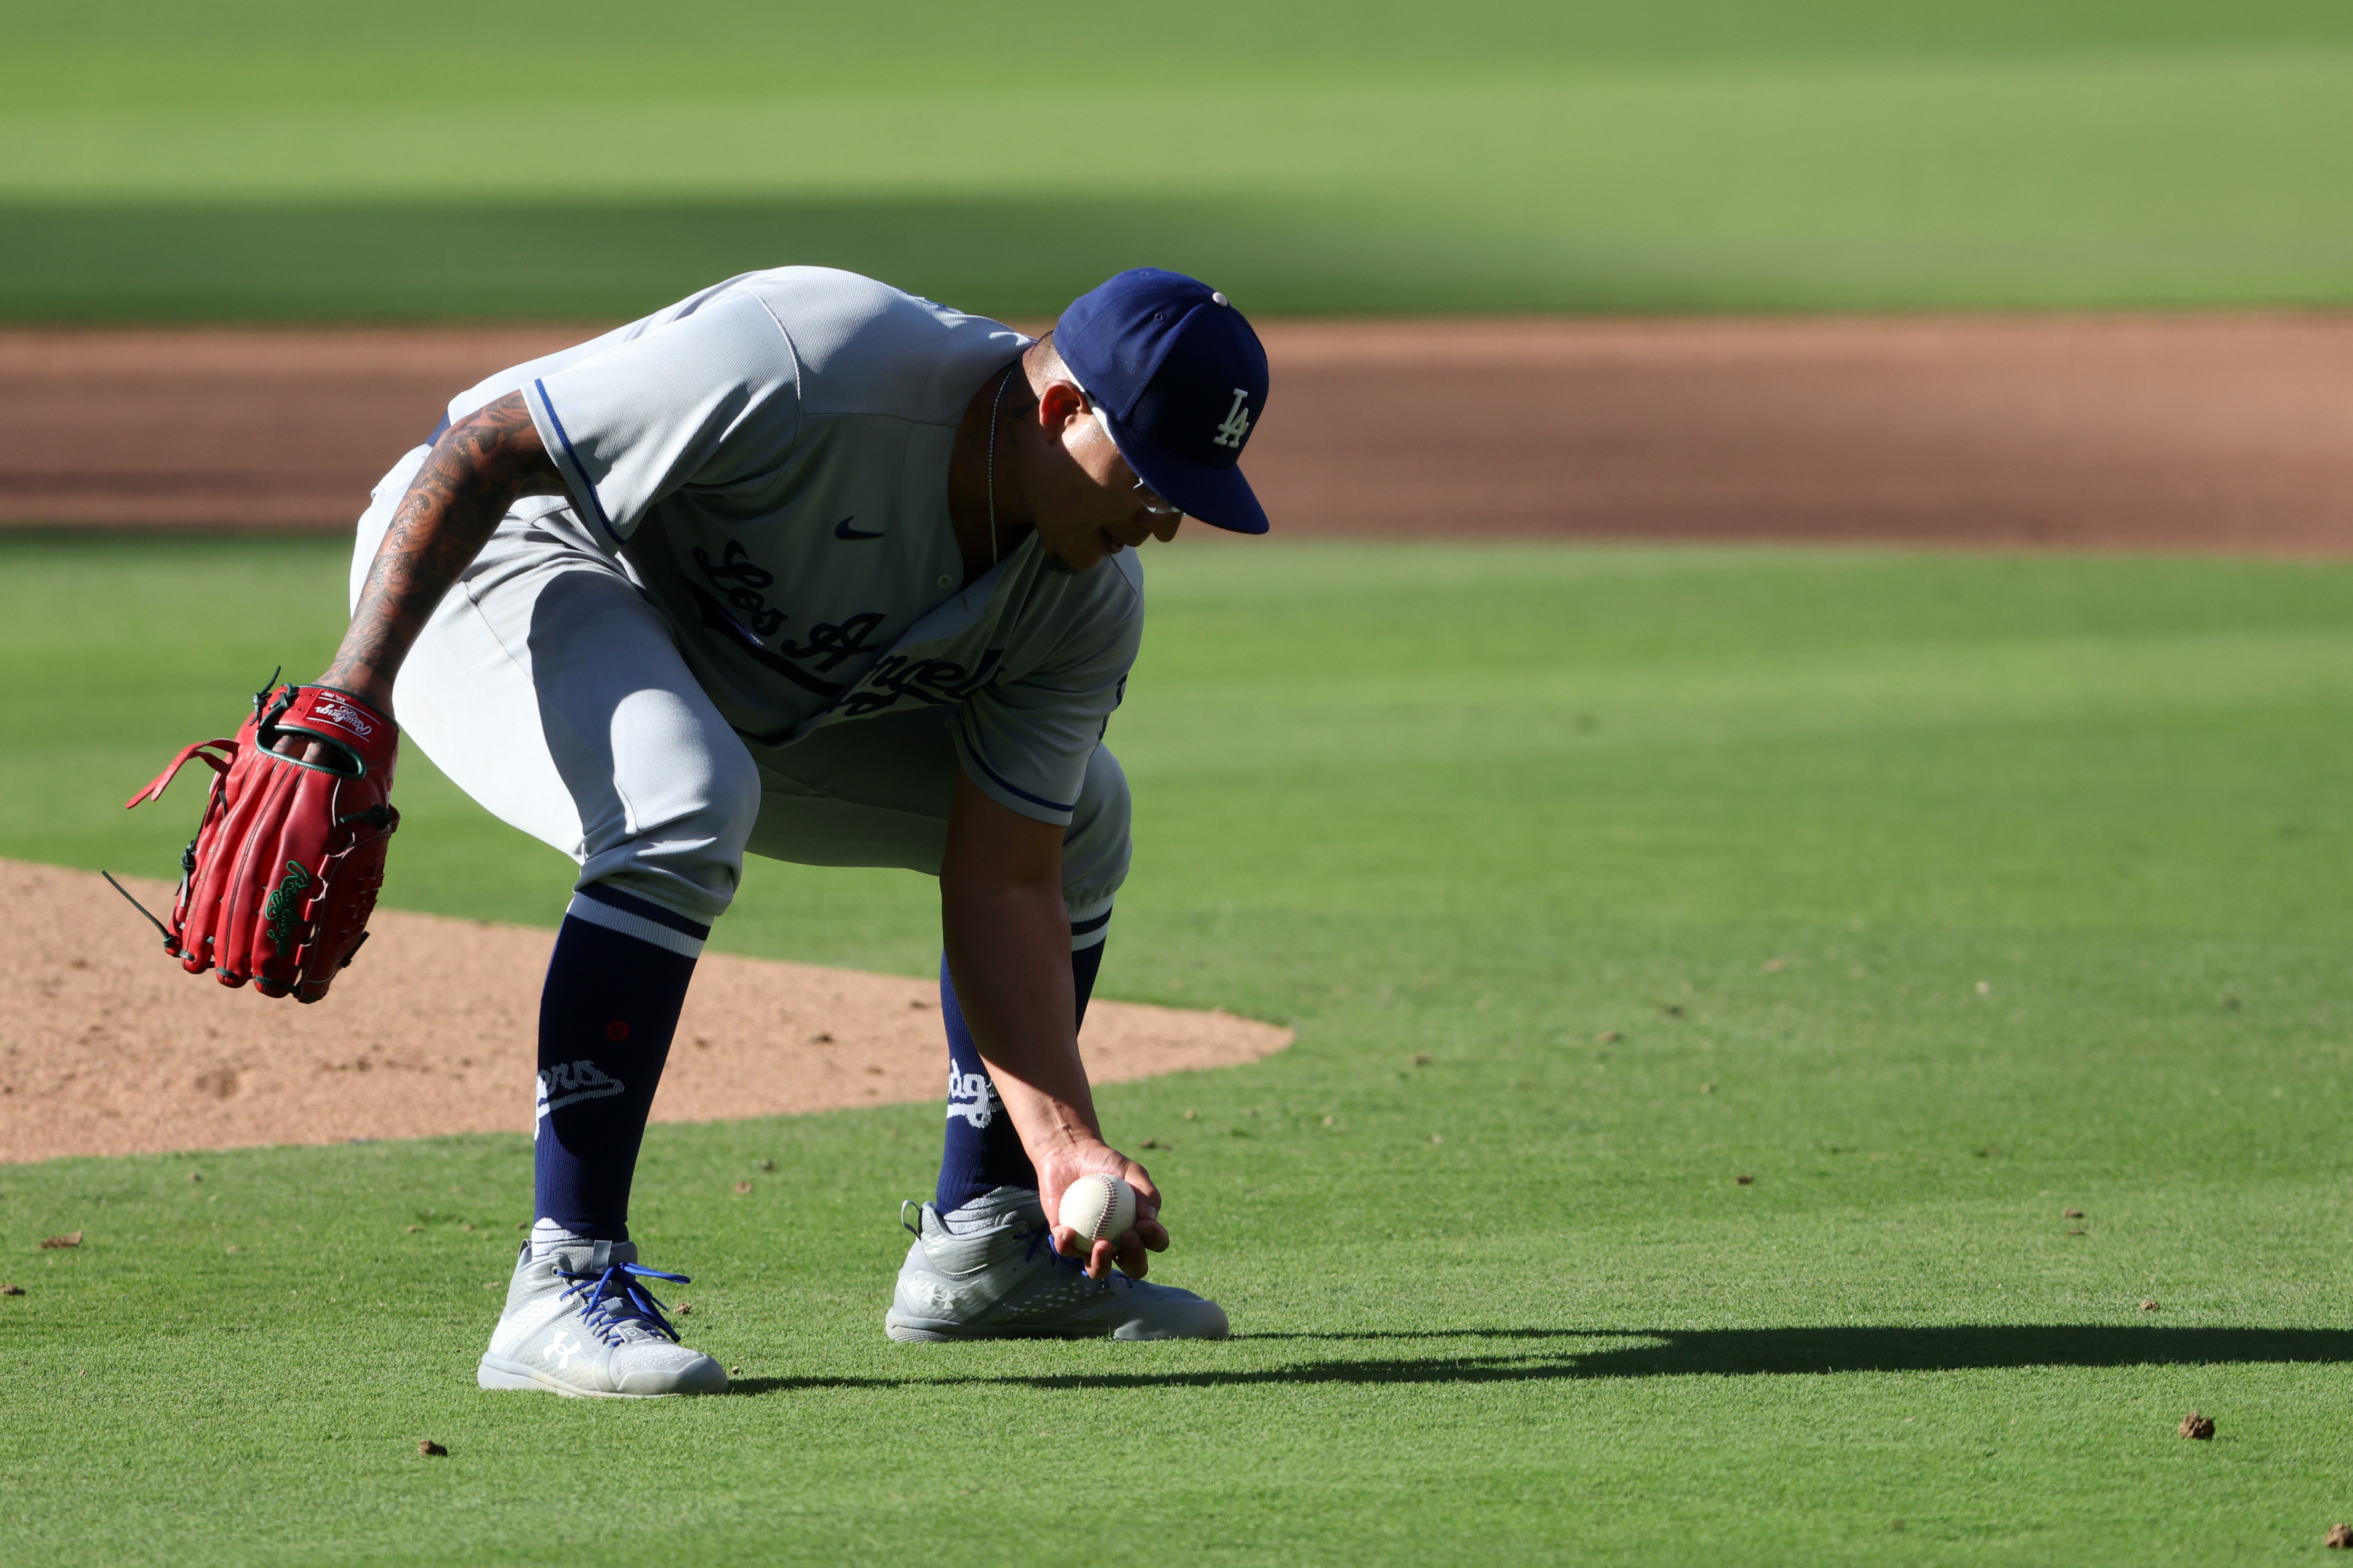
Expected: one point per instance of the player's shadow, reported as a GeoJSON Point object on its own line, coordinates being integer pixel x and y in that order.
{"type": "Point", "coordinates": [1543, 1355]}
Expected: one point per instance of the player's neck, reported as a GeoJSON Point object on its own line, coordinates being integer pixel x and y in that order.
{"type": "Point", "coordinates": [969, 471]}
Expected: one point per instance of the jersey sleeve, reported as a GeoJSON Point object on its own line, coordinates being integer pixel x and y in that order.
{"type": "Point", "coordinates": [711, 399]}
{"type": "Point", "coordinates": [1026, 741]}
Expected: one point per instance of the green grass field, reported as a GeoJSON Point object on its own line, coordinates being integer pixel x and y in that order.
{"type": "Point", "coordinates": [256, 160]}
{"type": "Point", "coordinates": [1936, 893]}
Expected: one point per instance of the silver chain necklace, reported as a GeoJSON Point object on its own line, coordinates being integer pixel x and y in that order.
{"type": "Point", "coordinates": [995, 405]}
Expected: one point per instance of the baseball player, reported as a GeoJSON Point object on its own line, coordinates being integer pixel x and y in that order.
{"type": "Point", "coordinates": [806, 566]}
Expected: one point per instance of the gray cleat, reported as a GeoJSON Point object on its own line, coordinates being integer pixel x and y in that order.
{"type": "Point", "coordinates": [578, 1323]}
{"type": "Point", "coordinates": [989, 1271]}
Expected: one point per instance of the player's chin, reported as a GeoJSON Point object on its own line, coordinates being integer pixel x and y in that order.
{"type": "Point", "coordinates": [1108, 543]}
{"type": "Point", "coordinates": [1083, 555]}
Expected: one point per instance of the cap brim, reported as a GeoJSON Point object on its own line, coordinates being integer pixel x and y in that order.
{"type": "Point", "coordinates": [1218, 496]}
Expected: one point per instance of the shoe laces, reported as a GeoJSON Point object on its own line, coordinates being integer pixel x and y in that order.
{"type": "Point", "coordinates": [611, 1301]}
{"type": "Point", "coordinates": [1044, 1236]}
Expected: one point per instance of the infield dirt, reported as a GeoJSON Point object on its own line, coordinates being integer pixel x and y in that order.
{"type": "Point", "coordinates": [108, 1047]}
{"type": "Point", "coordinates": [2183, 433]}
{"type": "Point", "coordinates": [2175, 432]}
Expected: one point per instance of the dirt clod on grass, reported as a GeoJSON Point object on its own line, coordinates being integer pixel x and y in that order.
{"type": "Point", "coordinates": [2197, 1427]}
{"type": "Point", "coordinates": [2148, 1306]}
{"type": "Point", "coordinates": [11, 1289]}
{"type": "Point", "coordinates": [1744, 1181]}
{"type": "Point", "coordinates": [2071, 1214]}
{"type": "Point", "coordinates": [70, 1238]}
{"type": "Point", "coordinates": [2339, 1538]}
{"type": "Point", "coordinates": [428, 1448]}
{"type": "Point", "coordinates": [129, 1055]}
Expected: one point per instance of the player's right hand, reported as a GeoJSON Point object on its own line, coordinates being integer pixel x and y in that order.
{"type": "Point", "coordinates": [1131, 1248]}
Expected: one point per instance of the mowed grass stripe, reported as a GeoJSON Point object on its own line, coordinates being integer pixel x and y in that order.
{"type": "Point", "coordinates": [2135, 175]}
{"type": "Point", "coordinates": [1879, 878]}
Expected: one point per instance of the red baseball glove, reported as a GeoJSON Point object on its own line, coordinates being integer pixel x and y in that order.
{"type": "Point", "coordinates": [278, 885]}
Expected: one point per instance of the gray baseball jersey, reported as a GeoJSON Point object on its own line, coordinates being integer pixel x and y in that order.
{"type": "Point", "coordinates": [768, 461]}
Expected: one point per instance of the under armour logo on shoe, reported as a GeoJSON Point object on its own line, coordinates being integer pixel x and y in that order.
{"type": "Point", "coordinates": [972, 1097]}
{"type": "Point", "coordinates": [561, 1350]}
{"type": "Point", "coordinates": [568, 1083]}
{"type": "Point", "coordinates": [1237, 423]}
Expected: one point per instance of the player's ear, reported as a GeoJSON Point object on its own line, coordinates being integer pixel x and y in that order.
{"type": "Point", "coordinates": [1058, 404]}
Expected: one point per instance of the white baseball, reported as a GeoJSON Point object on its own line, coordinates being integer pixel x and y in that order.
{"type": "Point", "coordinates": [1099, 1207]}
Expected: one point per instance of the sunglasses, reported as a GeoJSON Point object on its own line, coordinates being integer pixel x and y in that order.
{"type": "Point", "coordinates": [1150, 497]}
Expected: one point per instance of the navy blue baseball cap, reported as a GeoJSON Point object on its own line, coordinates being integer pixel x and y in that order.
{"type": "Point", "coordinates": [1181, 381]}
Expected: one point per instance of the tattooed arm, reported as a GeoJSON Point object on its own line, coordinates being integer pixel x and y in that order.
{"type": "Point", "coordinates": [478, 469]}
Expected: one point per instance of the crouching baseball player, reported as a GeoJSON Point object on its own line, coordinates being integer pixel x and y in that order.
{"type": "Point", "coordinates": [806, 566]}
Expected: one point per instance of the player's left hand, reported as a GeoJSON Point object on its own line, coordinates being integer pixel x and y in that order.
{"type": "Point", "coordinates": [278, 885]}
{"type": "Point", "coordinates": [1058, 1169]}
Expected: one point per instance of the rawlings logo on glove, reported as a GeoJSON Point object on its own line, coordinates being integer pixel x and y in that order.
{"type": "Point", "coordinates": [278, 885]}
{"type": "Point", "coordinates": [346, 713]}
{"type": "Point", "coordinates": [280, 908]}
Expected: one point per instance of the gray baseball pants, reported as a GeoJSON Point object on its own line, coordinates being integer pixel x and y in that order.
{"type": "Point", "coordinates": [552, 692]}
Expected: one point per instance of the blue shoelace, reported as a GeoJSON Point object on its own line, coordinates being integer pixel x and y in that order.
{"type": "Point", "coordinates": [1044, 1236]}
{"type": "Point", "coordinates": [611, 1297]}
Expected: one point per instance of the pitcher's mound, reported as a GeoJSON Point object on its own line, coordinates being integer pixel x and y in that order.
{"type": "Point", "coordinates": [107, 1047]}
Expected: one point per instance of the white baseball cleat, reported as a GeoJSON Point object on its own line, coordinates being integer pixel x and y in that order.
{"type": "Point", "coordinates": [577, 1322]}
{"type": "Point", "coordinates": [989, 1271]}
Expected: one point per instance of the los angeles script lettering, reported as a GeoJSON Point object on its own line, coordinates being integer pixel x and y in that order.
{"type": "Point", "coordinates": [736, 566]}
{"type": "Point", "coordinates": [739, 578]}
{"type": "Point", "coordinates": [934, 680]}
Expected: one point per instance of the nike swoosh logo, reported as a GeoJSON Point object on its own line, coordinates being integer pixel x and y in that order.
{"type": "Point", "coordinates": [843, 531]}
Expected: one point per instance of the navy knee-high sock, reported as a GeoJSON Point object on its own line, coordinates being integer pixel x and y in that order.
{"type": "Point", "coordinates": [615, 986]}
{"type": "Point", "coordinates": [983, 1152]}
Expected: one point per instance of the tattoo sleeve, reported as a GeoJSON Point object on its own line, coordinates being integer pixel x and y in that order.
{"type": "Point", "coordinates": [478, 469]}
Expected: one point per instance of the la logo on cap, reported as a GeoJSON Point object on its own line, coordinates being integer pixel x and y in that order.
{"type": "Point", "coordinates": [1236, 428]}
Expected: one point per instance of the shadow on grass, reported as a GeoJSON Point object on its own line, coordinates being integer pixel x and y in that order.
{"type": "Point", "coordinates": [397, 260]}
{"type": "Point", "coordinates": [1725, 1352]}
